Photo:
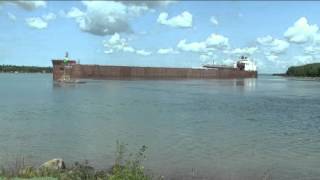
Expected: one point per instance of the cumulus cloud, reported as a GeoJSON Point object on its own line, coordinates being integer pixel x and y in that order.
{"type": "Point", "coordinates": [213, 42]}
{"type": "Point", "coordinates": [193, 47]}
{"type": "Point", "coordinates": [228, 61]}
{"type": "Point", "coordinates": [50, 16]}
{"type": "Point", "coordinates": [104, 17]}
{"type": "Point", "coordinates": [36, 22]}
{"type": "Point", "coordinates": [28, 5]}
{"type": "Point", "coordinates": [75, 13]}
{"type": "Point", "coordinates": [312, 50]}
{"type": "Point", "coordinates": [109, 51]}
{"type": "Point", "coordinates": [266, 40]}
{"type": "Point", "coordinates": [11, 16]}
{"type": "Point", "coordinates": [316, 39]}
{"type": "Point", "coordinates": [143, 52]}
{"type": "Point", "coordinates": [166, 51]}
{"type": "Point", "coordinates": [40, 22]}
{"type": "Point", "coordinates": [272, 57]}
{"type": "Point", "coordinates": [272, 45]}
{"type": "Point", "coordinates": [183, 20]}
{"type": "Point", "coordinates": [303, 59]}
{"type": "Point", "coordinates": [148, 4]}
{"type": "Point", "coordinates": [301, 31]}
{"type": "Point", "coordinates": [118, 44]}
{"type": "Point", "coordinates": [109, 17]}
{"type": "Point", "coordinates": [279, 46]}
{"type": "Point", "coordinates": [204, 58]}
{"type": "Point", "coordinates": [214, 20]}
{"type": "Point", "coordinates": [128, 49]}
{"type": "Point", "coordinates": [217, 41]}
{"type": "Point", "coordinates": [244, 51]}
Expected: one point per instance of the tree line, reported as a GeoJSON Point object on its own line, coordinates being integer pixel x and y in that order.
{"type": "Point", "coordinates": [24, 69]}
{"type": "Point", "coordinates": [308, 70]}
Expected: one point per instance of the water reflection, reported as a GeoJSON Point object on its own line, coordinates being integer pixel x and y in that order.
{"type": "Point", "coordinates": [248, 84]}
{"type": "Point", "coordinates": [67, 84]}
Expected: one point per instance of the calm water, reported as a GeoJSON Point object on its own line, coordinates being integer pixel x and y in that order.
{"type": "Point", "coordinates": [224, 129]}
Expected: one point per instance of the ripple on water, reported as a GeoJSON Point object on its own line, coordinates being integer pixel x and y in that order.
{"type": "Point", "coordinates": [225, 129]}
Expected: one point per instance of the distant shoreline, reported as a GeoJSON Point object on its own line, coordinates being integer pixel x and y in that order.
{"type": "Point", "coordinates": [306, 70]}
{"type": "Point", "coordinates": [22, 72]}
{"type": "Point", "coordinates": [24, 69]}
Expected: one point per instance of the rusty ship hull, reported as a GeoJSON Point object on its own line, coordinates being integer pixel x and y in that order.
{"type": "Point", "coordinates": [81, 71]}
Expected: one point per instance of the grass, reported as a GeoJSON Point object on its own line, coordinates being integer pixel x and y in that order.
{"type": "Point", "coordinates": [130, 168]}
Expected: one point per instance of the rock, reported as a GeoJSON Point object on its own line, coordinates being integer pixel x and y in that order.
{"type": "Point", "coordinates": [54, 164]}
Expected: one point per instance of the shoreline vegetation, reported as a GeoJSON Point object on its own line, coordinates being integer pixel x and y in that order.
{"type": "Point", "coordinates": [125, 167]}
{"type": "Point", "coordinates": [24, 69]}
{"type": "Point", "coordinates": [307, 70]}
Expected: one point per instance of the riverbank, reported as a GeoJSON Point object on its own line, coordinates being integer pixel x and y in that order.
{"type": "Point", "coordinates": [125, 166]}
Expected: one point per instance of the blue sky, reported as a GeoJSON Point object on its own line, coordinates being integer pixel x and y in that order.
{"type": "Point", "coordinates": [161, 33]}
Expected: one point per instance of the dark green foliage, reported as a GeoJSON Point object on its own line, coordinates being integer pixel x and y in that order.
{"type": "Point", "coordinates": [308, 70]}
{"type": "Point", "coordinates": [25, 69]}
{"type": "Point", "coordinates": [130, 169]}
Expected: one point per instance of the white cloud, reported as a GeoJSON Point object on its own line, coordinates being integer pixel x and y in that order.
{"type": "Point", "coordinates": [109, 17]}
{"type": "Point", "coordinates": [214, 20]}
{"type": "Point", "coordinates": [204, 58]}
{"type": "Point", "coordinates": [228, 61]}
{"type": "Point", "coordinates": [279, 46]}
{"type": "Point", "coordinates": [193, 47]}
{"type": "Point", "coordinates": [265, 40]}
{"type": "Point", "coordinates": [272, 57]}
{"type": "Point", "coordinates": [167, 51]}
{"type": "Point", "coordinates": [301, 31]}
{"type": "Point", "coordinates": [312, 50]}
{"type": "Point", "coordinates": [109, 51]}
{"type": "Point", "coordinates": [128, 49]}
{"type": "Point", "coordinates": [245, 51]}
{"type": "Point", "coordinates": [28, 5]}
{"type": "Point", "coordinates": [116, 43]}
{"type": "Point", "coordinates": [104, 17]}
{"type": "Point", "coordinates": [217, 41]}
{"type": "Point", "coordinates": [272, 45]}
{"type": "Point", "coordinates": [303, 59]}
{"type": "Point", "coordinates": [36, 22]}
{"type": "Point", "coordinates": [116, 40]}
{"type": "Point", "coordinates": [148, 4]}
{"type": "Point", "coordinates": [75, 13]}
{"type": "Point", "coordinates": [184, 20]}
{"type": "Point", "coordinates": [40, 22]}
{"type": "Point", "coordinates": [11, 16]}
{"type": "Point", "coordinates": [316, 39]}
{"type": "Point", "coordinates": [49, 17]}
{"type": "Point", "coordinates": [143, 52]}
{"type": "Point", "coordinates": [213, 42]}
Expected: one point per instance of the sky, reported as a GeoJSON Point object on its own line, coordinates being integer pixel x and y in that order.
{"type": "Point", "coordinates": [275, 35]}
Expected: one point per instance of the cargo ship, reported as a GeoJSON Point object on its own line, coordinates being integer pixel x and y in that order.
{"type": "Point", "coordinates": [68, 70]}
